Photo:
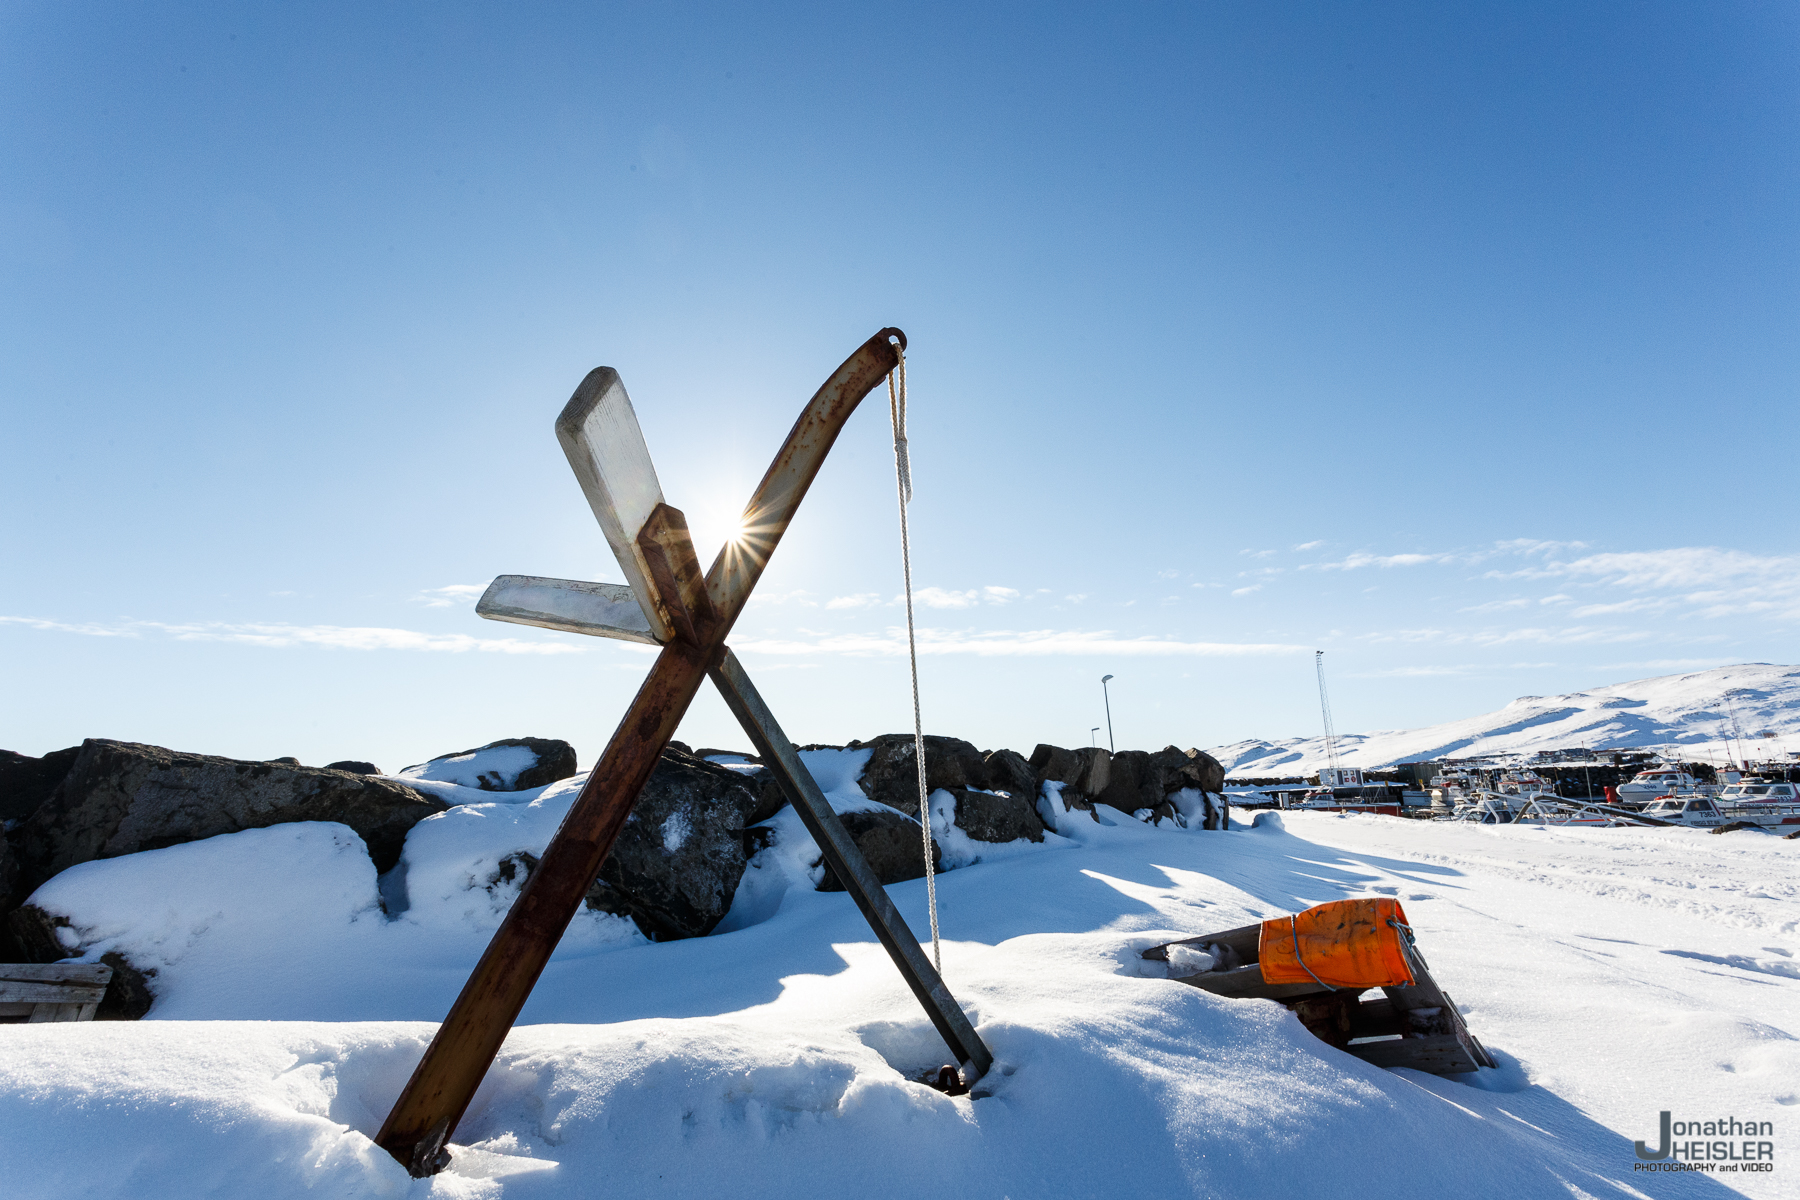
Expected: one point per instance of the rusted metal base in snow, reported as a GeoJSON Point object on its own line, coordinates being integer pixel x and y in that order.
{"type": "Point", "coordinates": [1416, 1026]}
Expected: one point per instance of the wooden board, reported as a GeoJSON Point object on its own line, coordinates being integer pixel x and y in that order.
{"type": "Point", "coordinates": [39, 993]}
{"type": "Point", "coordinates": [1438, 1054]}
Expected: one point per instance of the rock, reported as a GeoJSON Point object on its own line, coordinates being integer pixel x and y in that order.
{"type": "Point", "coordinates": [288, 761]}
{"type": "Point", "coordinates": [1096, 771]}
{"type": "Point", "coordinates": [678, 860]}
{"type": "Point", "coordinates": [34, 930]}
{"type": "Point", "coordinates": [10, 877]}
{"type": "Point", "coordinates": [354, 766]}
{"type": "Point", "coordinates": [712, 752]}
{"type": "Point", "coordinates": [1007, 771]}
{"type": "Point", "coordinates": [770, 799]}
{"type": "Point", "coordinates": [891, 778]}
{"type": "Point", "coordinates": [129, 996]}
{"type": "Point", "coordinates": [1055, 763]}
{"type": "Point", "coordinates": [26, 782]}
{"type": "Point", "coordinates": [891, 843]}
{"type": "Point", "coordinates": [508, 765]}
{"type": "Point", "coordinates": [122, 797]}
{"type": "Point", "coordinates": [996, 816]}
{"type": "Point", "coordinates": [1172, 769]}
{"type": "Point", "coordinates": [1128, 786]}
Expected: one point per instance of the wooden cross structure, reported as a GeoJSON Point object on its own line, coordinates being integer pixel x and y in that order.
{"type": "Point", "coordinates": [669, 603]}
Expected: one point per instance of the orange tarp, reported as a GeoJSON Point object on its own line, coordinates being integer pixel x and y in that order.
{"type": "Point", "coordinates": [1345, 944]}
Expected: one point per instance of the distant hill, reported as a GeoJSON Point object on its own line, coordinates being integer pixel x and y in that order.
{"type": "Point", "coordinates": [1687, 711]}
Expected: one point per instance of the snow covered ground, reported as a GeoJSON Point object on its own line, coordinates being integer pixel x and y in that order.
{"type": "Point", "coordinates": [1686, 714]}
{"type": "Point", "coordinates": [1613, 973]}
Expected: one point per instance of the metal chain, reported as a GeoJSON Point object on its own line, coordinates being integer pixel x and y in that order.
{"type": "Point", "coordinates": [903, 475]}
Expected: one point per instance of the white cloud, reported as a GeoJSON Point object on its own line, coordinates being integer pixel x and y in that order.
{"type": "Point", "coordinates": [1309, 545]}
{"type": "Point", "coordinates": [936, 597]}
{"type": "Point", "coordinates": [276, 635]}
{"type": "Point", "coordinates": [860, 600]}
{"type": "Point", "coordinates": [1259, 553]}
{"type": "Point", "coordinates": [1243, 591]}
{"type": "Point", "coordinates": [1006, 643]}
{"type": "Point", "coordinates": [1495, 606]}
{"type": "Point", "coordinates": [446, 597]}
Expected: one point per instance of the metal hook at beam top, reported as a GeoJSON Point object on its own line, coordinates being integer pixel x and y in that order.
{"type": "Point", "coordinates": [740, 564]}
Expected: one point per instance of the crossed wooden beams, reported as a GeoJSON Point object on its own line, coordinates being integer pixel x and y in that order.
{"type": "Point", "coordinates": [669, 603]}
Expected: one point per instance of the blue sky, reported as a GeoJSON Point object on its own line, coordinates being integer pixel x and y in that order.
{"type": "Point", "coordinates": [1456, 341]}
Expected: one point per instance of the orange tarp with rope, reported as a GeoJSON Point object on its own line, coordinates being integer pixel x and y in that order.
{"type": "Point", "coordinates": [1343, 944]}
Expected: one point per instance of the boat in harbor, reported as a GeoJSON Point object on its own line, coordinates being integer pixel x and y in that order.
{"type": "Point", "coordinates": [1658, 781]}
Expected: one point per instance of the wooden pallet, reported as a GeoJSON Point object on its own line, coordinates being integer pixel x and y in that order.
{"type": "Point", "coordinates": [32, 994]}
{"type": "Point", "coordinates": [1417, 1026]}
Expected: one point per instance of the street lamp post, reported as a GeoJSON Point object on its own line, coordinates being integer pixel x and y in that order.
{"type": "Point", "coordinates": [1093, 736]}
{"type": "Point", "coordinates": [1110, 748]}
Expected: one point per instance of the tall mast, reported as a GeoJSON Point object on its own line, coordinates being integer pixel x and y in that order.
{"type": "Point", "coordinates": [1325, 711]}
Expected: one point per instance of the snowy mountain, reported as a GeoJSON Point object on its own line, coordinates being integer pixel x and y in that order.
{"type": "Point", "coordinates": [1689, 713]}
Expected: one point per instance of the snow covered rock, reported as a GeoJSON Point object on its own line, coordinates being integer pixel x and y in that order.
{"type": "Point", "coordinates": [122, 797]}
{"type": "Point", "coordinates": [892, 779]}
{"type": "Point", "coordinates": [679, 858]}
{"type": "Point", "coordinates": [508, 765]}
{"type": "Point", "coordinates": [997, 816]}
{"type": "Point", "coordinates": [890, 842]}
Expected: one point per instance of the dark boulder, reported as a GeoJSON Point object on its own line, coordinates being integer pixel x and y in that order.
{"type": "Point", "coordinates": [892, 844]}
{"type": "Point", "coordinates": [1172, 769]}
{"type": "Point", "coordinates": [492, 769]}
{"type": "Point", "coordinates": [123, 797]}
{"type": "Point", "coordinates": [1129, 786]}
{"type": "Point", "coordinates": [1007, 771]}
{"type": "Point", "coordinates": [891, 776]}
{"type": "Point", "coordinates": [997, 816]}
{"type": "Point", "coordinates": [678, 860]}
{"type": "Point", "coordinates": [10, 880]}
{"type": "Point", "coordinates": [26, 782]}
{"type": "Point", "coordinates": [1096, 770]}
{"type": "Point", "coordinates": [1056, 764]}
{"type": "Point", "coordinates": [770, 798]}
{"type": "Point", "coordinates": [354, 766]}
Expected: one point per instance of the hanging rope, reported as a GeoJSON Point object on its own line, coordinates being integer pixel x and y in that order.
{"type": "Point", "coordinates": [903, 475]}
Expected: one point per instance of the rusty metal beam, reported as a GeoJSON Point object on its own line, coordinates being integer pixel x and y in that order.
{"type": "Point", "coordinates": [851, 868]}
{"type": "Point", "coordinates": [438, 1094]}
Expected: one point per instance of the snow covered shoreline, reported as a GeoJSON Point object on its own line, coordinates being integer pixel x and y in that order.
{"type": "Point", "coordinates": [1614, 973]}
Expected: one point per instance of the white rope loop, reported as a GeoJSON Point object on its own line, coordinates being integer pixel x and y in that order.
{"type": "Point", "coordinates": [903, 477]}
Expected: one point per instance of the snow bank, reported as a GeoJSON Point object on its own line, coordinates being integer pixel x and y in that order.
{"type": "Point", "coordinates": [1614, 973]}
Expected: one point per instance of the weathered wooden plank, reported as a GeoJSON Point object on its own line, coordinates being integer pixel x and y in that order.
{"type": "Point", "coordinates": [50, 993]}
{"type": "Point", "coordinates": [15, 1012]}
{"type": "Point", "coordinates": [93, 973]}
{"type": "Point", "coordinates": [44, 1014]}
{"type": "Point", "coordinates": [1246, 983]}
{"type": "Point", "coordinates": [1438, 1054]}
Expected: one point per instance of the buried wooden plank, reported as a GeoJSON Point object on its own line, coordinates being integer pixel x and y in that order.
{"type": "Point", "coordinates": [1246, 983]}
{"type": "Point", "coordinates": [76, 973]}
{"type": "Point", "coordinates": [1438, 1054]}
{"type": "Point", "coordinates": [50, 993]}
{"type": "Point", "coordinates": [45, 1014]}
